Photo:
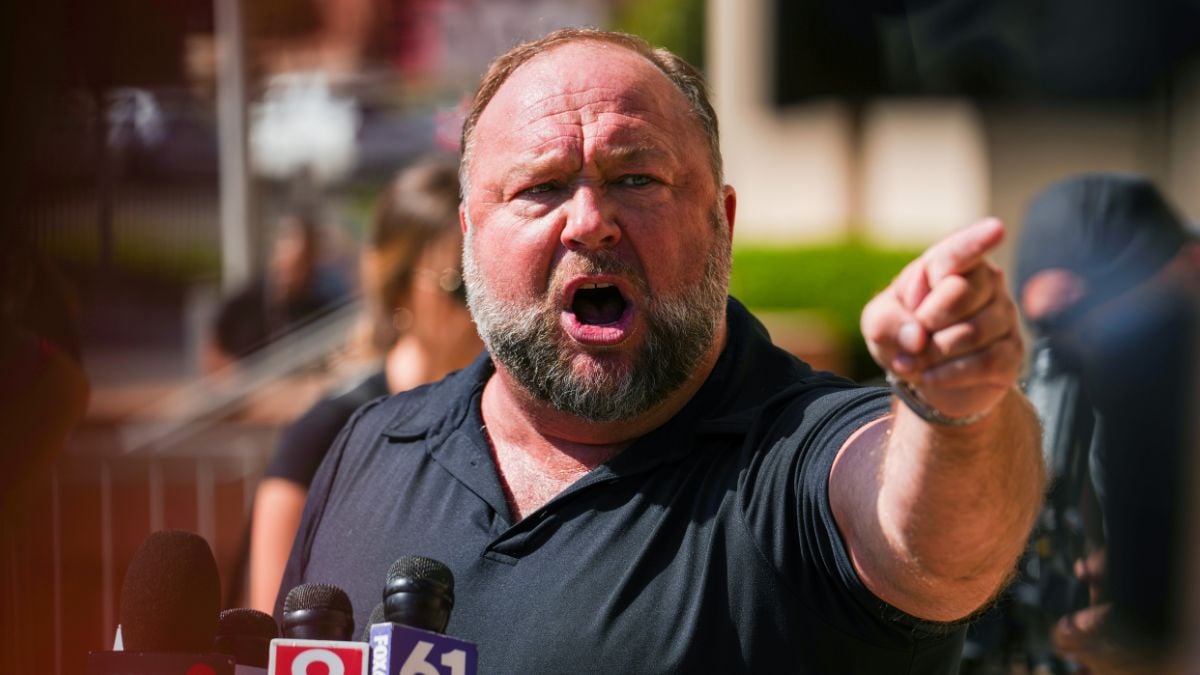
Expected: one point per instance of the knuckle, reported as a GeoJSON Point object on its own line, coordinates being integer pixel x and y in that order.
{"type": "Point", "coordinates": [906, 276]}
{"type": "Point", "coordinates": [873, 329]}
{"type": "Point", "coordinates": [868, 313]}
{"type": "Point", "coordinates": [873, 335]}
{"type": "Point", "coordinates": [956, 285]}
{"type": "Point", "coordinates": [929, 315]}
{"type": "Point", "coordinates": [956, 339]}
{"type": "Point", "coordinates": [969, 332]}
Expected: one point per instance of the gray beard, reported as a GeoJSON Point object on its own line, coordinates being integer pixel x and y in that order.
{"type": "Point", "coordinates": [529, 342]}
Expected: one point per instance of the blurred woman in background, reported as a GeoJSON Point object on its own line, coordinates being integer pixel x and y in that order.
{"type": "Point", "coordinates": [416, 319]}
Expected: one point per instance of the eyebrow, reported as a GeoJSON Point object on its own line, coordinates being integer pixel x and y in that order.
{"type": "Point", "coordinates": [537, 165]}
{"type": "Point", "coordinates": [551, 162]}
{"type": "Point", "coordinates": [635, 153]}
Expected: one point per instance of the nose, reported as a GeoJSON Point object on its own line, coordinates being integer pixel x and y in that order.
{"type": "Point", "coordinates": [590, 224]}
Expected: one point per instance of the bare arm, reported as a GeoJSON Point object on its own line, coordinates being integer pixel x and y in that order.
{"type": "Point", "coordinates": [278, 505]}
{"type": "Point", "coordinates": [936, 515]}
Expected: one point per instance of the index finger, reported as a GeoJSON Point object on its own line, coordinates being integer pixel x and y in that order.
{"type": "Point", "coordinates": [962, 251]}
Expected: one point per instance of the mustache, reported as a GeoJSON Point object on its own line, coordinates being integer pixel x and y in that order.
{"type": "Point", "coordinates": [605, 262]}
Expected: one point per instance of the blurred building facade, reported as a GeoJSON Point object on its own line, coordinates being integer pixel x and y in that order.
{"type": "Point", "coordinates": [901, 121]}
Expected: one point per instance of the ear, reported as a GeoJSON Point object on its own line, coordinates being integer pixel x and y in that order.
{"type": "Point", "coordinates": [729, 201]}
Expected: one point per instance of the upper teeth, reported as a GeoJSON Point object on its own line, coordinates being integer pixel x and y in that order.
{"type": "Point", "coordinates": [588, 287]}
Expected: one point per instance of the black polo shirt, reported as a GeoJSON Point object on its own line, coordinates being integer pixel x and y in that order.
{"type": "Point", "coordinates": [706, 546]}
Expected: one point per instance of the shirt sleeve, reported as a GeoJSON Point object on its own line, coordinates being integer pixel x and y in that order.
{"type": "Point", "coordinates": [303, 444]}
{"type": "Point", "coordinates": [789, 512]}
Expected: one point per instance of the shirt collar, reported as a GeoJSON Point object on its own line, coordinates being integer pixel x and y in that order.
{"type": "Point", "coordinates": [749, 371]}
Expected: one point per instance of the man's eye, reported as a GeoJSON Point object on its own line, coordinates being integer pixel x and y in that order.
{"type": "Point", "coordinates": [540, 189]}
{"type": "Point", "coordinates": [635, 180]}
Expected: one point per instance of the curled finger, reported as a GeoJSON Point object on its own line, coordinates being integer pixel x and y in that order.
{"type": "Point", "coordinates": [956, 297]}
{"type": "Point", "coordinates": [997, 363]}
{"type": "Point", "coordinates": [990, 324]}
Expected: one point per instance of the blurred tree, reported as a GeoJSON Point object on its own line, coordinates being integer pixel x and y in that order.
{"type": "Point", "coordinates": [677, 25]}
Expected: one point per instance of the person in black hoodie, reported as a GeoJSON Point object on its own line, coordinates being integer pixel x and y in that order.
{"type": "Point", "coordinates": [1108, 278]}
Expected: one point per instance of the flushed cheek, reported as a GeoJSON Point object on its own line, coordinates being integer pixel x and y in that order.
{"type": "Point", "coordinates": [670, 265]}
{"type": "Point", "coordinates": [509, 279]}
{"type": "Point", "coordinates": [670, 228]}
{"type": "Point", "coordinates": [514, 272]}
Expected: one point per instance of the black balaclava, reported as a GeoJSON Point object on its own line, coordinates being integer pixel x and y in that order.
{"type": "Point", "coordinates": [1114, 230]}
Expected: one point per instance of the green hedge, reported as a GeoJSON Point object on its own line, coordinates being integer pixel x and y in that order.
{"type": "Point", "coordinates": [138, 256]}
{"type": "Point", "coordinates": [835, 280]}
{"type": "Point", "coordinates": [678, 25]}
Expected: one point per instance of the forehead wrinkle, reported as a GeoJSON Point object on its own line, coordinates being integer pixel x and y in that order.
{"type": "Point", "coordinates": [615, 150]}
{"type": "Point", "coordinates": [549, 152]}
{"type": "Point", "coordinates": [636, 123]}
{"type": "Point", "coordinates": [550, 102]}
{"type": "Point", "coordinates": [594, 100]}
{"type": "Point", "coordinates": [565, 131]}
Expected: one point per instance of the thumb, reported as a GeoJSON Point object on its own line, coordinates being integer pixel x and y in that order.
{"type": "Point", "coordinates": [893, 334]}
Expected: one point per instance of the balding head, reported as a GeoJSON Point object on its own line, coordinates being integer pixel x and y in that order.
{"type": "Point", "coordinates": [682, 75]}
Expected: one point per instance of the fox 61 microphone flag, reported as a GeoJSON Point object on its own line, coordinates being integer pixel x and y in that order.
{"type": "Point", "coordinates": [317, 657]}
{"type": "Point", "coordinates": [397, 649]}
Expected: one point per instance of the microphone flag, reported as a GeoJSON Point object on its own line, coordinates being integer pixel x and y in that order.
{"type": "Point", "coordinates": [294, 657]}
{"type": "Point", "coordinates": [397, 649]}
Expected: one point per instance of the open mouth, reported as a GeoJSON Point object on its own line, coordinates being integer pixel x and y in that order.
{"type": "Point", "coordinates": [598, 304]}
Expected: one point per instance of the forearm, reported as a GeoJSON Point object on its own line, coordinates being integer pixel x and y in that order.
{"type": "Point", "coordinates": [958, 502]}
{"type": "Point", "coordinates": [938, 527]}
{"type": "Point", "coordinates": [278, 504]}
{"type": "Point", "coordinates": [935, 510]}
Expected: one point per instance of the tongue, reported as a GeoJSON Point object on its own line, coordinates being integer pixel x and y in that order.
{"type": "Point", "coordinates": [598, 309]}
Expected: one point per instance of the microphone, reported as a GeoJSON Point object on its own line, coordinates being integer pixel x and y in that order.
{"type": "Point", "coordinates": [417, 598]}
{"type": "Point", "coordinates": [317, 622]}
{"type": "Point", "coordinates": [317, 612]}
{"type": "Point", "coordinates": [246, 634]}
{"type": "Point", "coordinates": [419, 592]}
{"type": "Point", "coordinates": [171, 595]}
{"type": "Point", "coordinates": [168, 610]}
{"type": "Point", "coordinates": [376, 617]}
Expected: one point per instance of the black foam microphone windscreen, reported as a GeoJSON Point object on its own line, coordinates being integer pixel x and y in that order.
{"type": "Point", "coordinates": [246, 635]}
{"type": "Point", "coordinates": [316, 611]}
{"type": "Point", "coordinates": [171, 595]}
{"type": "Point", "coordinates": [419, 592]}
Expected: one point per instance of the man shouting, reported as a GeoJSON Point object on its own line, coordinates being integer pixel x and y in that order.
{"type": "Point", "coordinates": [632, 478]}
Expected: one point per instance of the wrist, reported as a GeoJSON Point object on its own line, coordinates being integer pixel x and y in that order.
{"type": "Point", "coordinates": [913, 400]}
